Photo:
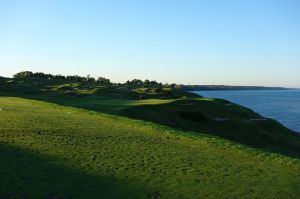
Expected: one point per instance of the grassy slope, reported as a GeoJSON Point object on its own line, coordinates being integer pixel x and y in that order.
{"type": "Point", "coordinates": [49, 150]}
{"type": "Point", "coordinates": [222, 118]}
{"type": "Point", "coordinates": [181, 110]}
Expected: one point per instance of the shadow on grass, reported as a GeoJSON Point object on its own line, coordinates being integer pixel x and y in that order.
{"type": "Point", "coordinates": [234, 123]}
{"type": "Point", "coordinates": [26, 174]}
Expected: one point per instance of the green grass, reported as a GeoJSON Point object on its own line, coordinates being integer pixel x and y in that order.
{"type": "Point", "coordinates": [220, 118]}
{"type": "Point", "coordinates": [63, 139]}
{"type": "Point", "coordinates": [53, 151]}
{"type": "Point", "coordinates": [176, 109]}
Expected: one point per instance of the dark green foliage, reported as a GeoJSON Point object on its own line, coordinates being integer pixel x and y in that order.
{"type": "Point", "coordinates": [24, 74]}
{"type": "Point", "coordinates": [103, 80]}
{"type": "Point", "coordinates": [221, 118]}
{"type": "Point", "coordinates": [136, 83]}
{"type": "Point", "coordinates": [192, 116]}
{"type": "Point", "coordinates": [72, 78]}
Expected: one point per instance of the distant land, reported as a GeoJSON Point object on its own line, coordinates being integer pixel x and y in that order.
{"type": "Point", "coordinates": [209, 87]}
{"type": "Point", "coordinates": [227, 87]}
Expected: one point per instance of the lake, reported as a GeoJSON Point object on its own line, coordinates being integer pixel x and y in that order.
{"type": "Point", "coordinates": [281, 105]}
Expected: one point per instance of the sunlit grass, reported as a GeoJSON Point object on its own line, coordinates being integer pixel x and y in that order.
{"type": "Point", "coordinates": [52, 150]}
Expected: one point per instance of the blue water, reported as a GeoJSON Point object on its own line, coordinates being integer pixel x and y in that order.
{"type": "Point", "coordinates": [281, 105]}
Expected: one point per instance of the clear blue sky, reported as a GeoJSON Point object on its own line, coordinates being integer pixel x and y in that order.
{"type": "Point", "coordinates": [237, 42]}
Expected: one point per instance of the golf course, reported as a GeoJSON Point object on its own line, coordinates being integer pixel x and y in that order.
{"type": "Point", "coordinates": [155, 99]}
{"type": "Point", "coordinates": [65, 138]}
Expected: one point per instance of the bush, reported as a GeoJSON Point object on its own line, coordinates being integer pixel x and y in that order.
{"type": "Point", "coordinates": [23, 74]}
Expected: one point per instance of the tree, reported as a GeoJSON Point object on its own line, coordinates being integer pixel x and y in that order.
{"type": "Point", "coordinates": [88, 77]}
{"type": "Point", "coordinates": [40, 75]}
{"type": "Point", "coordinates": [76, 78]}
{"type": "Point", "coordinates": [23, 74]}
{"type": "Point", "coordinates": [172, 86]}
{"type": "Point", "coordinates": [103, 80]}
{"type": "Point", "coordinates": [153, 83]}
{"type": "Point", "coordinates": [136, 82]}
{"type": "Point", "coordinates": [91, 79]}
{"type": "Point", "coordinates": [146, 82]}
{"type": "Point", "coordinates": [59, 77]}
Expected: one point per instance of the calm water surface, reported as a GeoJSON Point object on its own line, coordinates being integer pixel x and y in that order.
{"type": "Point", "coordinates": [281, 105]}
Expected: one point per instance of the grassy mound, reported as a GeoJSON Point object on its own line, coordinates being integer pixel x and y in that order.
{"type": "Point", "coordinates": [53, 151]}
{"type": "Point", "coordinates": [222, 118]}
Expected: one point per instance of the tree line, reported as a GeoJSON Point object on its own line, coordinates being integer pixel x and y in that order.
{"type": "Point", "coordinates": [101, 80]}
{"type": "Point", "coordinates": [76, 78]}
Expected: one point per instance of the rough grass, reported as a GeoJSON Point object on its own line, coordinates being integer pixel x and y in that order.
{"type": "Point", "coordinates": [53, 151]}
{"type": "Point", "coordinates": [177, 109]}
{"type": "Point", "coordinates": [222, 118]}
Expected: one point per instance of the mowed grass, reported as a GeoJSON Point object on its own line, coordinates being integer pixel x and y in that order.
{"type": "Point", "coordinates": [170, 107]}
{"type": "Point", "coordinates": [52, 151]}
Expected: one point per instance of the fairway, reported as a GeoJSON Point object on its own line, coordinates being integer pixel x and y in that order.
{"type": "Point", "coordinates": [49, 150]}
